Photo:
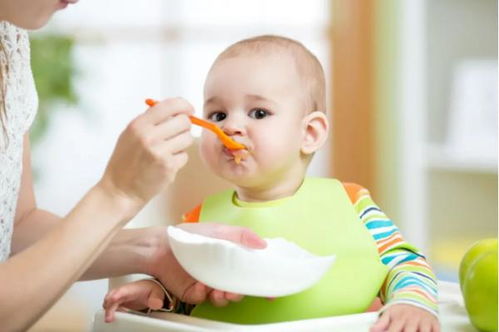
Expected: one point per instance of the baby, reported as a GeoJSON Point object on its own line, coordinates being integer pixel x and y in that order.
{"type": "Point", "coordinates": [268, 93]}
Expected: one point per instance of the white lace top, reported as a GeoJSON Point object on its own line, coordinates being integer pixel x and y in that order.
{"type": "Point", "coordinates": [21, 103]}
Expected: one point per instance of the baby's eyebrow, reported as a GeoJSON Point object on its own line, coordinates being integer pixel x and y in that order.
{"type": "Point", "coordinates": [211, 100]}
{"type": "Point", "coordinates": [259, 98]}
{"type": "Point", "coordinates": [251, 97]}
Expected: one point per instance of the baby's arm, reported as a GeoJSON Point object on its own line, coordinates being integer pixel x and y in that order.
{"type": "Point", "coordinates": [410, 291]}
{"type": "Point", "coordinates": [138, 295]}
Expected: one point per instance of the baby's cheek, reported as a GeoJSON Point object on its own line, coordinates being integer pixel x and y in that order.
{"type": "Point", "coordinates": [278, 156]}
{"type": "Point", "coordinates": [272, 150]}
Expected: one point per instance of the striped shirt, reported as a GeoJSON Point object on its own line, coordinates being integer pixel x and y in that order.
{"type": "Point", "coordinates": [410, 279]}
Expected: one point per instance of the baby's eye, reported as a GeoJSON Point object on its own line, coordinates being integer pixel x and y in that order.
{"type": "Point", "coordinates": [217, 116]}
{"type": "Point", "coordinates": [258, 113]}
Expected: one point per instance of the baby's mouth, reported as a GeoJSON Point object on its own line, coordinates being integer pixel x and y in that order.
{"type": "Point", "coordinates": [237, 155]}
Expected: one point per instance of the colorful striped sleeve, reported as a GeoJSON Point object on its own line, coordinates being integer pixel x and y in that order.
{"type": "Point", "coordinates": [410, 279]}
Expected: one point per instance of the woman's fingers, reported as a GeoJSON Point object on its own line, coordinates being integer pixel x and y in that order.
{"type": "Point", "coordinates": [240, 235]}
{"type": "Point", "coordinates": [220, 298]}
{"type": "Point", "coordinates": [170, 128]}
{"type": "Point", "coordinates": [217, 298]}
{"type": "Point", "coordinates": [179, 160]}
{"type": "Point", "coordinates": [196, 293]}
{"type": "Point", "coordinates": [165, 109]}
{"type": "Point", "coordinates": [233, 297]}
{"type": "Point", "coordinates": [149, 137]}
{"type": "Point", "coordinates": [175, 144]}
{"type": "Point", "coordinates": [150, 151]}
{"type": "Point", "coordinates": [163, 132]}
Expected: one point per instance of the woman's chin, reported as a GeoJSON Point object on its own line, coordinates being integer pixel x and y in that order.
{"type": "Point", "coordinates": [30, 24]}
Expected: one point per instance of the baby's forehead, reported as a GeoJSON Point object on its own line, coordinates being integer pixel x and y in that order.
{"type": "Point", "coordinates": [254, 69]}
{"type": "Point", "coordinates": [267, 67]}
{"type": "Point", "coordinates": [256, 73]}
{"type": "Point", "coordinates": [268, 53]}
{"type": "Point", "coordinates": [286, 52]}
{"type": "Point", "coordinates": [289, 56]}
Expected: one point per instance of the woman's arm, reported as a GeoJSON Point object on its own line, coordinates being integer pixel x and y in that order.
{"type": "Point", "coordinates": [128, 252]}
{"type": "Point", "coordinates": [147, 156]}
{"type": "Point", "coordinates": [142, 250]}
{"type": "Point", "coordinates": [50, 253]}
{"type": "Point", "coordinates": [36, 277]}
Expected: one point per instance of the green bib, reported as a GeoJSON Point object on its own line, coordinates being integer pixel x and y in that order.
{"type": "Point", "coordinates": [321, 219]}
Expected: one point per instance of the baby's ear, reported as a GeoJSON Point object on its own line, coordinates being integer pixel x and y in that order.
{"type": "Point", "coordinates": [316, 128]}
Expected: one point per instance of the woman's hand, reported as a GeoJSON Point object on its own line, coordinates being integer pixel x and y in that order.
{"type": "Point", "coordinates": [166, 268]}
{"type": "Point", "coordinates": [150, 152]}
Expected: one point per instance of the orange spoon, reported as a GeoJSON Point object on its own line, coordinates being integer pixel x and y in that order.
{"type": "Point", "coordinates": [226, 140]}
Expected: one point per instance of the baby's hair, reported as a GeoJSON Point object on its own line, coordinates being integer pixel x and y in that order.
{"type": "Point", "coordinates": [307, 64]}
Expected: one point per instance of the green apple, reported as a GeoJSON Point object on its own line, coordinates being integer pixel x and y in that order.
{"type": "Point", "coordinates": [476, 249]}
{"type": "Point", "coordinates": [478, 273]}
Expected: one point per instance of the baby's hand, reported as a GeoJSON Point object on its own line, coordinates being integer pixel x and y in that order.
{"type": "Point", "coordinates": [136, 295]}
{"type": "Point", "coordinates": [406, 317]}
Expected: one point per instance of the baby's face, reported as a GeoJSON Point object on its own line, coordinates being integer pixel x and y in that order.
{"type": "Point", "coordinates": [258, 100]}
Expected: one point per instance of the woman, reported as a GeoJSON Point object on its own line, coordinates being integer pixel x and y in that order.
{"type": "Point", "coordinates": [41, 254]}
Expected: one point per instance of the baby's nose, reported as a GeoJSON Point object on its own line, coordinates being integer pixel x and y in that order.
{"type": "Point", "coordinates": [233, 126]}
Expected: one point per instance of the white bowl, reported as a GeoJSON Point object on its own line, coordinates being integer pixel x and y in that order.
{"type": "Point", "coordinates": [282, 268]}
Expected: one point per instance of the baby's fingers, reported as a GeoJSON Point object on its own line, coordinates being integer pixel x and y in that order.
{"type": "Point", "coordinates": [426, 326]}
{"type": "Point", "coordinates": [107, 300]}
{"type": "Point", "coordinates": [109, 316]}
{"type": "Point", "coordinates": [412, 325]}
{"type": "Point", "coordinates": [397, 325]}
{"type": "Point", "coordinates": [155, 300]}
{"type": "Point", "coordinates": [113, 300]}
{"type": "Point", "coordinates": [382, 323]}
{"type": "Point", "coordinates": [119, 295]}
{"type": "Point", "coordinates": [430, 326]}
